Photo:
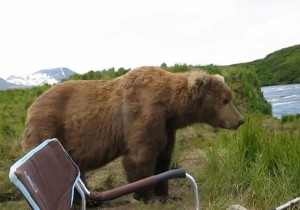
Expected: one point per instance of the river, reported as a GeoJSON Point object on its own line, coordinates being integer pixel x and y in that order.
{"type": "Point", "coordinates": [285, 99]}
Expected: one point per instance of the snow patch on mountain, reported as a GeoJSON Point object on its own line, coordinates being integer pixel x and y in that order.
{"type": "Point", "coordinates": [4, 85]}
{"type": "Point", "coordinates": [45, 76]}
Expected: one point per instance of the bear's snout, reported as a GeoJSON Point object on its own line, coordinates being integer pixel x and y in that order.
{"type": "Point", "coordinates": [229, 117]}
{"type": "Point", "coordinates": [241, 122]}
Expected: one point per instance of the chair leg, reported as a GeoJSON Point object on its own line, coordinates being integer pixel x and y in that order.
{"type": "Point", "coordinates": [83, 201]}
{"type": "Point", "coordinates": [195, 188]}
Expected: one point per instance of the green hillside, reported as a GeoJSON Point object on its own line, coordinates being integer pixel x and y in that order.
{"type": "Point", "coordinates": [279, 67]}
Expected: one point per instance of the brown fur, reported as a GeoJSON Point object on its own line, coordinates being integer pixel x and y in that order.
{"type": "Point", "coordinates": [135, 116]}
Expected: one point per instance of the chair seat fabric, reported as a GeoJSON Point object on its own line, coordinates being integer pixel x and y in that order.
{"type": "Point", "coordinates": [46, 176]}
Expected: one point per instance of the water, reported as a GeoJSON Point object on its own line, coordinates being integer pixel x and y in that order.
{"type": "Point", "coordinates": [285, 99]}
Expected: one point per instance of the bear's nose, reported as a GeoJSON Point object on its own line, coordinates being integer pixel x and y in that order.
{"type": "Point", "coordinates": [241, 122]}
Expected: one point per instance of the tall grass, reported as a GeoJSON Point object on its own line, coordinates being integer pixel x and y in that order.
{"type": "Point", "coordinates": [260, 166]}
{"type": "Point", "coordinates": [257, 166]}
{"type": "Point", "coordinates": [10, 152]}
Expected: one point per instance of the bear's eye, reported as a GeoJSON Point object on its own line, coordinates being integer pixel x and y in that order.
{"type": "Point", "coordinates": [225, 101]}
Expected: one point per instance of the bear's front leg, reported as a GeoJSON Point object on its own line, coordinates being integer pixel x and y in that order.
{"type": "Point", "coordinates": [163, 164]}
{"type": "Point", "coordinates": [140, 164]}
{"type": "Point", "coordinates": [145, 138]}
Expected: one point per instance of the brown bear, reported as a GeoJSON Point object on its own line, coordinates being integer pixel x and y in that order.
{"type": "Point", "coordinates": [135, 116]}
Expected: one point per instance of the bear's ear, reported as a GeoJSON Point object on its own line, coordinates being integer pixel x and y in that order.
{"type": "Point", "coordinates": [219, 77]}
{"type": "Point", "coordinates": [197, 83]}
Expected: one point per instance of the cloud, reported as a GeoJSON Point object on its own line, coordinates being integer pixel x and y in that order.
{"type": "Point", "coordinates": [85, 35]}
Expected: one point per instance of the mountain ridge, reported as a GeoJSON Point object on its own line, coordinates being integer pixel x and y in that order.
{"type": "Point", "coordinates": [41, 77]}
{"type": "Point", "coordinates": [4, 85]}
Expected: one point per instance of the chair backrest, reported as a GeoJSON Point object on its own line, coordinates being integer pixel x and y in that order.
{"type": "Point", "coordinates": [46, 176]}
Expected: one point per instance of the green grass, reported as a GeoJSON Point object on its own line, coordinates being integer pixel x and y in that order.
{"type": "Point", "coordinates": [259, 164]}
{"type": "Point", "coordinates": [256, 166]}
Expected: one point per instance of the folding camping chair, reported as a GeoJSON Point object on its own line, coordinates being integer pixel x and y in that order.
{"type": "Point", "coordinates": [47, 177]}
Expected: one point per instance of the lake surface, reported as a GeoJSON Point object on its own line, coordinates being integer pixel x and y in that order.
{"type": "Point", "coordinates": [285, 99]}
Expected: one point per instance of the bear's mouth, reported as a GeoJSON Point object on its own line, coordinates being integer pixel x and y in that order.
{"type": "Point", "coordinates": [235, 127]}
{"type": "Point", "coordinates": [230, 127]}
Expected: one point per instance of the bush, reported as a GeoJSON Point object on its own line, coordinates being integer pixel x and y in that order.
{"type": "Point", "coordinates": [290, 118]}
{"type": "Point", "coordinates": [212, 69]}
{"type": "Point", "coordinates": [179, 68]}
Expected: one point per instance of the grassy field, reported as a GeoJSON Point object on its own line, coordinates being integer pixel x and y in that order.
{"type": "Point", "coordinates": [257, 167]}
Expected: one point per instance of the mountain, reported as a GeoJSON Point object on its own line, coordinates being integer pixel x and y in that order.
{"type": "Point", "coordinates": [7, 85]}
{"type": "Point", "coordinates": [279, 67]}
{"type": "Point", "coordinates": [45, 76]}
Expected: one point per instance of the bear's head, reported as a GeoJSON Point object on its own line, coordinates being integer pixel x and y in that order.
{"type": "Point", "coordinates": [213, 101]}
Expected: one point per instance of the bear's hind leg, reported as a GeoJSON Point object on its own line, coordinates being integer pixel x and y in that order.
{"type": "Point", "coordinates": [37, 130]}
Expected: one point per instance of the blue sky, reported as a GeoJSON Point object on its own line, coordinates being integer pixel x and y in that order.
{"type": "Point", "coordinates": [98, 34]}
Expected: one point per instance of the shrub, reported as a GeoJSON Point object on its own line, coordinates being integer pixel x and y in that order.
{"type": "Point", "coordinates": [290, 118]}
{"type": "Point", "coordinates": [179, 68]}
